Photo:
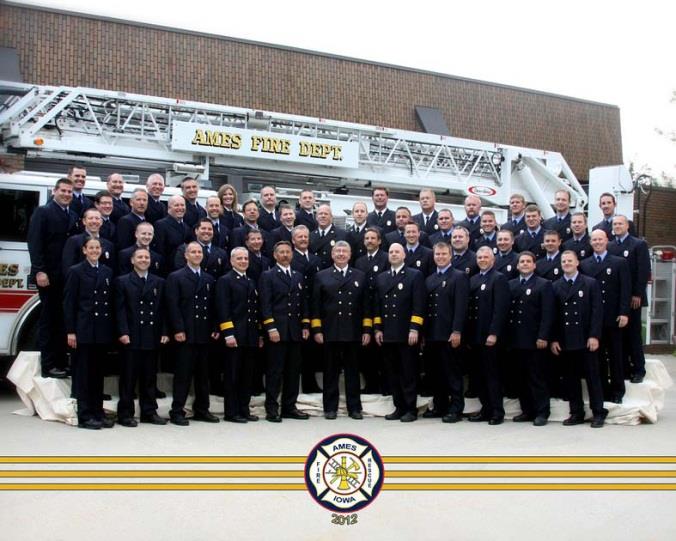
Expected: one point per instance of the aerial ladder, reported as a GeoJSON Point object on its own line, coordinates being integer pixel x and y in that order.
{"type": "Point", "coordinates": [63, 122]}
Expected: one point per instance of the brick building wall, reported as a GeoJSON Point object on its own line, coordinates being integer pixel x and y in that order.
{"type": "Point", "coordinates": [657, 221]}
{"type": "Point", "coordinates": [58, 48]}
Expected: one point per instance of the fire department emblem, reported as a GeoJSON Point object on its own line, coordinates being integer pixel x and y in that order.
{"type": "Point", "coordinates": [344, 473]}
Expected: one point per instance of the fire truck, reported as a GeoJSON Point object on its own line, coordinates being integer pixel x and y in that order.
{"type": "Point", "coordinates": [103, 130]}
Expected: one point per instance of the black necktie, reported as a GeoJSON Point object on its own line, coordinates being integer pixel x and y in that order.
{"type": "Point", "coordinates": [380, 214]}
{"type": "Point", "coordinates": [370, 258]}
{"type": "Point", "coordinates": [393, 273]}
{"type": "Point", "coordinates": [619, 241]}
{"type": "Point", "coordinates": [523, 281]}
{"type": "Point", "coordinates": [216, 227]}
{"type": "Point", "coordinates": [323, 233]}
{"type": "Point", "coordinates": [143, 281]}
{"type": "Point", "coordinates": [515, 222]}
{"type": "Point", "coordinates": [598, 259]}
{"type": "Point", "coordinates": [570, 282]}
{"type": "Point", "coordinates": [288, 273]}
{"type": "Point", "coordinates": [533, 234]}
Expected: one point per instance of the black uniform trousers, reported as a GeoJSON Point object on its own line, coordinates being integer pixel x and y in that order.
{"type": "Point", "coordinates": [490, 386]}
{"type": "Point", "coordinates": [345, 354]}
{"type": "Point", "coordinates": [192, 362]}
{"type": "Point", "coordinates": [447, 377]}
{"type": "Point", "coordinates": [532, 391]}
{"type": "Point", "coordinates": [51, 330]}
{"type": "Point", "coordinates": [632, 351]}
{"type": "Point", "coordinates": [371, 367]}
{"type": "Point", "coordinates": [582, 364]}
{"type": "Point", "coordinates": [401, 366]}
{"type": "Point", "coordinates": [611, 363]}
{"type": "Point", "coordinates": [137, 365]}
{"type": "Point", "coordinates": [282, 373]}
{"type": "Point", "coordinates": [87, 380]}
{"type": "Point", "coordinates": [238, 371]}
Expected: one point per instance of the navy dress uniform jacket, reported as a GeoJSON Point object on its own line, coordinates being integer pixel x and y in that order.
{"type": "Point", "coordinates": [169, 235]}
{"type": "Point", "coordinates": [561, 226]}
{"type": "Point", "coordinates": [516, 228]}
{"type": "Point", "coordinates": [355, 237]}
{"type": "Point", "coordinates": [550, 270]}
{"type": "Point", "coordinates": [474, 228]}
{"type": "Point", "coordinates": [79, 204]}
{"type": "Point", "coordinates": [139, 310]}
{"type": "Point", "coordinates": [607, 226]}
{"type": "Point", "coordinates": [126, 230]}
{"type": "Point", "coordinates": [237, 308]}
{"type": "Point", "coordinates": [636, 252]}
{"type": "Point", "coordinates": [386, 223]}
{"type": "Point", "coordinates": [72, 252]}
{"type": "Point", "coordinates": [321, 246]}
{"type": "Point", "coordinates": [532, 311]}
{"type": "Point", "coordinates": [488, 304]}
{"type": "Point", "coordinates": [232, 219]}
{"type": "Point", "coordinates": [339, 305]}
{"type": "Point", "coordinates": [614, 278]}
{"type": "Point", "coordinates": [447, 298]}
{"type": "Point", "coordinates": [257, 266]}
{"type": "Point", "coordinates": [579, 312]}
{"type": "Point", "coordinates": [432, 225]}
{"type": "Point", "coordinates": [190, 305]}
{"type": "Point", "coordinates": [156, 210]}
{"type": "Point", "coordinates": [399, 304]}
{"type": "Point", "coordinates": [49, 229]}
{"type": "Point", "coordinates": [268, 221]}
{"type": "Point", "coordinates": [506, 264]}
{"type": "Point", "coordinates": [421, 259]}
{"type": "Point", "coordinates": [215, 263]}
{"type": "Point", "coordinates": [279, 234]}
{"type": "Point", "coordinates": [221, 233]}
{"type": "Point", "coordinates": [120, 208]}
{"type": "Point", "coordinates": [194, 212]}
{"type": "Point", "coordinates": [124, 265]}
{"type": "Point", "coordinates": [238, 237]}
{"type": "Point", "coordinates": [88, 303]}
{"type": "Point", "coordinates": [526, 241]}
{"type": "Point", "coordinates": [465, 262]}
{"type": "Point", "coordinates": [307, 219]}
{"type": "Point", "coordinates": [284, 304]}
{"type": "Point", "coordinates": [581, 247]}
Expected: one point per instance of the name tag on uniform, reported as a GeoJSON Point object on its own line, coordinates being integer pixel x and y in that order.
{"type": "Point", "coordinates": [400, 285]}
{"type": "Point", "coordinates": [609, 271]}
{"type": "Point", "coordinates": [483, 286]}
{"type": "Point", "coordinates": [556, 271]}
{"type": "Point", "coordinates": [528, 292]}
{"type": "Point", "coordinates": [580, 293]}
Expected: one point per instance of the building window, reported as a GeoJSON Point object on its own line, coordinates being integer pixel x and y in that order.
{"type": "Point", "coordinates": [16, 209]}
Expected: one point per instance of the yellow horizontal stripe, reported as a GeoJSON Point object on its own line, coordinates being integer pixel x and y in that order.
{"type": "Point", "coordinates": [305, 320]}
{"type": "Point", "coordinates": [377, 320]}
{"type": "Point", "coordinates": [417, 319]}
{"type": "Point", "coordinates": [367, 322]}
{"type": "Point", "coordinates": [269, 320]}
{"type": "Point", "coordinates": [225, 326]}
{"type": "Point", "coordinates": [316, 323]}
{"type": "Point", "coordinates": [403, 487]}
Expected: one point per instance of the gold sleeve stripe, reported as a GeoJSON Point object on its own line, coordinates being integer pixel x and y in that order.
{"type": "Point", "coordinates": [270, 320]}
{"type": "Point", "coordinates": [417, 319]}
{"type": "Point", "coordinates": [305, 320]}
{"type": "Point", "coordinates": [316, 323]}
{"type": "Point", "coordinates": [367, 322]}
{"type": "Point", "coordinates": [225, 326]}
{"type": "Point", "coordinates": [377, 321]}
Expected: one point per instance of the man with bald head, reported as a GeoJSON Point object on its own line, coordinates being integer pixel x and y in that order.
{"type": "Point", "coordinates": [115, 185]}
{"type": "Point", "coordinates": [157, 209]}
{"type": "Point", "coordinates": [324, 238]}
{"type": "Point", "coordinates": [472, 221]}
{"type": "Point", "coordinates": [171, 231]}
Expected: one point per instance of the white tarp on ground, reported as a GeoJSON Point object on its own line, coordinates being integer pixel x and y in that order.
{"type": "Point", "coordinates": [50, 398]}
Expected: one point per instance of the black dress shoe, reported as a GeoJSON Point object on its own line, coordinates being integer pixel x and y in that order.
{"type": "Point", "coordinates": [153, 419]}
{"type": "Point", "coordinates": [129, 422]}
{"type": "Point", "coordinates": [160, 394]}
{"type": "Point", "coordinates": [471, 393]}
{"type": "Point", "coordinates": [540, 421]}
{"type": "Point", "coordinates": [179, 420]}
{"type": "Point", "coordinates": [522, 418]}
{"type": "Point", "coordinates": [234, 419]}
{"type": "Point", "coordinates": [408, 417]}
{"type": "Point", "coordinates": [90, 424]}
{"type": "Point", "coordinates": [331, 415]}
{"type": "Point", "coordinates": [295, 414]}
{"type": "Point", "coordinates": [356, 415]}
{"type": "Point", "coordinates": [432, 414]}
{"type": "Point", "coordinates": [477, 418]}
{"type": "Point", "coordinates": [574, 420]}
{"type": "Point", "coordinates": [615, 399]}
{"type": "Point", "coordinates": [251, 417]}
{"type": "Point", "coordinates": [496, 421]}
{"type": "Point", "coordinates": [205, 417]}
{"type": "Point", "coordinates": [599, 419]}
{"type": "Point", "coordinates": [451, 418]}
{"type": "Point", "coordinates": [273, 417]}
{"type": "Point", "coordinates": [55, 373]}
{"type": "Point", "coordinates": [394, 416]}
{"type": "Point", "coordinates": [637, 378]}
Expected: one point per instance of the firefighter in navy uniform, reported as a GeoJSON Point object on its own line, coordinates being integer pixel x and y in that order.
{"type": "Point", "coordinates": [340, 320]}
{"type": "Point", "coordinates": [214, 260]}
{"type": "Point", "coordinates": [356, 232]}
{"type": "Point", "coordinates": [576, 334]}
{"type": "Point", "coordinates": [48, 231]}
{"type": "Point", "coordinates": [305, 214]}
{"type": "Point", "coordinates": [190, 310]}
{"type": "Point", "coordinates": [418, 257]}
{"type": "Point", "coordinates": [462, 258]}
{"type": "Point", "coordinates": [531, 239]}
{"type": "Point", "coordinates": [126, 225]}
{"type": "Point", "coordinates": [561, 222]}
{"type": "Point", "coordinates": [447, 298]}
{"type": "Point", "coordinates": [608, 206]}
{"type": "Point", "coordinates": [283, 232]}
{"type": "Point", "coordinates": [324, 238]}
{"type": "Point", "coordinates": [487, 314]}
{"type": "Point", "coordinates": [373, 263]}
{"type": "Point", "coordinates": [171, 231]}
{"type": "Point", "coordinates": [72, 250]}
{"type": "Point", "coordinates": [284, 312]}
{"type": "Point", "coordinates": [427, 217]}
{"type": "Point", "coordinates": [141, 328]}
{"type": "Point", "coordinates": [506, 259]}
{"type": "Point", "coordinates": [549, 265]}
{"type": "Point", "coordinates": [381, 216]}
{"type": "Point", "coordinates": [398, 321]}
{"type": "Point", "coordinates": [88, 316]}
{"type": "Point", "coordinates": [157, 209]}
{"type": "Point", "coordinates": [237, 311]}
{"type": "Point", "coordinates": [516, 223]}
{"type": "Point", "coordinates": [445, 222]}
{"type": "Point", "coordinates": [613, 275]}
{"type": "Point", "coordinates": [529, 329]}
{"type": "Point", "coordinates": [488, 234]}
{"type": "Point", "coordinates": [144, 235]}
{"type": "Point", "coordinates": [579, 240]}
{"type": "Point", "coordinates": [472, 221]}
{"type": "Point", "coordinates": [636, 252]}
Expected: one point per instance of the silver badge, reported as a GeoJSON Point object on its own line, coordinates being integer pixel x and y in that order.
{"type": "Point", "coordinates": [581, 253]}
{"type": "Point", "coordinates": [356, 284]}
{"type": "Point", "coordinates": [483, 286]}
{"type": "Point", "coordinates": [333, 243]}
{"type": "Point", "coordinates": [567, 230]}
{"type": "Point", "coordinates": [467, 270]}
{"type": "Point", "coordinates": [443, 284]}
{"type": "Point", "coordinates": [107, 255]}
{"type": "Point", "coordinates": [609, 271]}
{"type": "Point", "coordinates": [389, 223]}
{"type": "Point", "coordinates": [528, 291]}
{"type": "Point", "coordinates": [509, 268]}
{"type": "Point", "coordinates": [495, 250]}
{"type": "Point", "coordinates": [417, 263]}
{"type": "Point", "coordinates": [626, 253]}
{"type": "Point", "coordinates": [580, 293]}
{"type": "Point", "coordinates": [375, 268]}
{"type": "Point", "coordinates": [107, 282]}
{"type": "Point", "coordinates": [436, 226]}
{"type": "Point", "coordinates": [400, 285]}
{"type": "Point", "coordinates": [481, 231]}
{"type": "Point", "coordinates": [556, 272]}
{"type": "Point", "coordinates": [219, 261]}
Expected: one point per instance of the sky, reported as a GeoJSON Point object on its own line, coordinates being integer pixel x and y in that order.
{"type": "Point", "coordinates": [621, 53]}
